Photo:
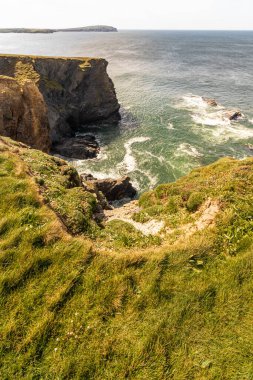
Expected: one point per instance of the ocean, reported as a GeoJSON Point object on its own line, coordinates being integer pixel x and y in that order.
{"type": "Point", "coordinates": [160, 78]}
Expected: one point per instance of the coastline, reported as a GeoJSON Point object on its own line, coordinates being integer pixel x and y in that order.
{"type": "Point", "coordinates": [98, 28]}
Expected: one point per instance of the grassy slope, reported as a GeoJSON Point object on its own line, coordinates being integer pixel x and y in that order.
{"type": "Point", "coordinates": [169, 311]}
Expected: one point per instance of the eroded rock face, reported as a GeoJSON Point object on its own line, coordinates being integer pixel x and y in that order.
{"type": "Point", "coordinates": [23, 113]}
{"type": "Point", "coordinates": [112, 189]}
{"type": "Point", "coordinates": [75, 90]}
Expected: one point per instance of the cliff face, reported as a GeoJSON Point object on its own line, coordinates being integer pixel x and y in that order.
{"type": "Point", "coordinates": [75, 90]}
{"type": "Point", "coordinates": [23, 113]}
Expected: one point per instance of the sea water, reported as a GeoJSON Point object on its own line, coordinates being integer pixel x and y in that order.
{"type": "Point", "coordinates": [160, 78]}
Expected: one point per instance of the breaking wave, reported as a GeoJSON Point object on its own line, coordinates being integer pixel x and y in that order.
{"type": "Point", "coordinates": [215, 116]}
{"type": "Point", "coordinates": [187, 149]}
{"type": "Point", "coordinates": [129, 161]}
{"type": "Point", "coordinates": [170, 126]}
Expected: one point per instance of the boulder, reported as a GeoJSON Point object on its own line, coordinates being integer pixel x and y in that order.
{"type": "Point", "coordinates": [112, 189]}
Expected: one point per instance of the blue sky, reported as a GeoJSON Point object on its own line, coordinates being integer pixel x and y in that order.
{"type": "Point", "coordinates": [130, 14]}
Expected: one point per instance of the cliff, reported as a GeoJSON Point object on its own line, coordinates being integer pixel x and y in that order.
{"type": "Point", "coordinates": [75, 90]}
{"type": "Point", "coordinates": [79, 301]}
{"type": "Point", "coordinates": [23, 113]}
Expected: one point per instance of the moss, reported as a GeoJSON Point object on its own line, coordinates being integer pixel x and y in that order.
{"type": "Point", "coordinates": [52, 84]}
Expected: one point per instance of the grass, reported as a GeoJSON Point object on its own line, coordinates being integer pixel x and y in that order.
{"type": "Point", "coordinates": [137, 309]}
{"type": "Point", "coordinates": [61, 188]}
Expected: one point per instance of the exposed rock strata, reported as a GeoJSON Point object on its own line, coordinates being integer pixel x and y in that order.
{"type": "Point", "coordinates": [23, 113]}
{"type": "Point", "coordinates": [76, 90]}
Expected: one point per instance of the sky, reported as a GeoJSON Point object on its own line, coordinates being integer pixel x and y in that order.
{"type": "Point", "coordinates": [129, 14]}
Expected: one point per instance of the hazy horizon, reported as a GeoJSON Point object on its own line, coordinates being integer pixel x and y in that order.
{"type": "Point", "coordinates": [165, 15]}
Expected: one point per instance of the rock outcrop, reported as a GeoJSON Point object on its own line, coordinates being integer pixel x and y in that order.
{"type": "Point", "coordinates": [76, 90]}
{"type": "Point", "coordinates": [78, 147]}
{"type": "Point", "coordinates": [112, 189]}
{"type": "Point", "coordinates": [23, 113]}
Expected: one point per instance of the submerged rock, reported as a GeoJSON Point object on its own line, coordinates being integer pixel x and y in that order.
{"type": "Point", "coordinates": [23, 113]}
{"type": "Point", "coordinates": [210, 102]}
{"type": "Point", "coordinates": [234, 115]}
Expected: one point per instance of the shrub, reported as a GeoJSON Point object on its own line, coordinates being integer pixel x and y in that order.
{"type": "Point", "coordinates": [194, 202]}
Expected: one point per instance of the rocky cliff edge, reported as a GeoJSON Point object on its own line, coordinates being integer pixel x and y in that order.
{"type": "Point", "coordinates": [76, 91]}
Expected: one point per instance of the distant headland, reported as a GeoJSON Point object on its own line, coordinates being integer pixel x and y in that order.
{"type": "Point", "coordinates": [94, 28]}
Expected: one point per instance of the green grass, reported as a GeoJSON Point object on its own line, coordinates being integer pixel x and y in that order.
{"type": "Point", "coordinates": [138, 309]}
{"type": "Point", "coordinates": [61, 188]}
{"type": "Point", "coordinates": [118, 234]}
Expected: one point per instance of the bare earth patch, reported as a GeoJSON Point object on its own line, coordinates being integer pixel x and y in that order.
{"type": "Point", "coordinates": [205, 217]}
{"type": "Point", "coordinates": [125, 214]}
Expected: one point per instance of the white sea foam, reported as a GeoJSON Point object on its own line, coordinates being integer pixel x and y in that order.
{"type": "Point", "coordinates": [211, 119]}
{"type": "Point", "coordinates": [187, 149]}
{"type": "Point", "coordinates": [153, 180]}
{"type": "Point", "coordinates": [170, 126]}
{"type": "Point", "coordinates": [191, 101]}
{"type": "Point", "coordinates": [129, 161]}
{"type": "Point", "coordinates": [103, 175]}
{"type": "Point", "coordinates": [235, 131]}
{"type": "Point", "coordinates": [161, 159]}
{"type": "Point", "coordinates": [217, 117]}
{"type": "Point", "coordinates": [102, 155]}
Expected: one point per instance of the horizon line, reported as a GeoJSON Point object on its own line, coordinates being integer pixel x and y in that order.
{"type": "Point", "coordinates": [192, 30]}
{"type": "Point", "coordinates": [140, 29]}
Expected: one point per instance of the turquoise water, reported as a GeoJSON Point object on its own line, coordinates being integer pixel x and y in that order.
{"type": "Point", "coordinates": [160, 78]}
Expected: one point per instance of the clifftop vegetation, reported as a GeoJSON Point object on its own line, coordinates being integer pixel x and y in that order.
{"type": "Point", "coordinates": [79, 301]}
{"type": "Point", "coordinates": [93, 28]}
